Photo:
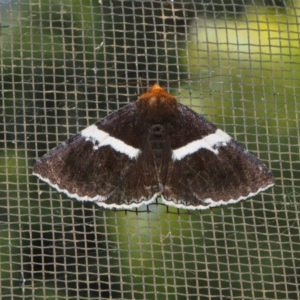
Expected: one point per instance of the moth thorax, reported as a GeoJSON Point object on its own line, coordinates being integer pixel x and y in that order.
{"type": "Point", "coordinates": [158, 142]}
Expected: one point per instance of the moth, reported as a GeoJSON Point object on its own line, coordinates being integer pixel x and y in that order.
{"type": "Point", "coordinates": [155, 147]}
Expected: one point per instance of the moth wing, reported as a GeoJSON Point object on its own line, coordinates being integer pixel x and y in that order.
{"type": "Point", "coordinates": [111, 172]}
{"type": "Point", "coordinates": [211, 169]}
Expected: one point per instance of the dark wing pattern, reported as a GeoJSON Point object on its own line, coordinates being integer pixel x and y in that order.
{"type": "Point", "coordinates": [106, 174]}
{"type": "Point", "coordinates": [220, 171]}
{"type": "Point", "coordinates": [154, 147]}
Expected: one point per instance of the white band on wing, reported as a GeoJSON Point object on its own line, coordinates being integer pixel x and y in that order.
{"type": "Point", "coordinates": [210, 142]}
{"type": "Point", "coordinates": [100, 138]}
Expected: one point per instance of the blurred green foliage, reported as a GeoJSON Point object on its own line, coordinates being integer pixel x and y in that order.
{"type": "Point", "coordinates": [60, 65]}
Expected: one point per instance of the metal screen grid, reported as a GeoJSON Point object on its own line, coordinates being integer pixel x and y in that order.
{"type": "Point", "coordinates": [65, 64]}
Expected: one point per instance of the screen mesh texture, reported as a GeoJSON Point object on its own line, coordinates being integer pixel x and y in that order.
{"type": "Point", "coordinates": [67, 63]}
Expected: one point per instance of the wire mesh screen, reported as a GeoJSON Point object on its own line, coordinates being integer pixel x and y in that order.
{"type": "Point", "coordinates": [67, 63]}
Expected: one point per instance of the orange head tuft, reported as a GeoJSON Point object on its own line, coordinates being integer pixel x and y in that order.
{"type": "Point", "coordinates": [157, 104]}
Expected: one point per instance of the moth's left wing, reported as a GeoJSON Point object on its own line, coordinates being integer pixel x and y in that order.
{"type": "Point", "coordinates": [209, 168]}
{"type": "Point", "coordinates": [105, 163]}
